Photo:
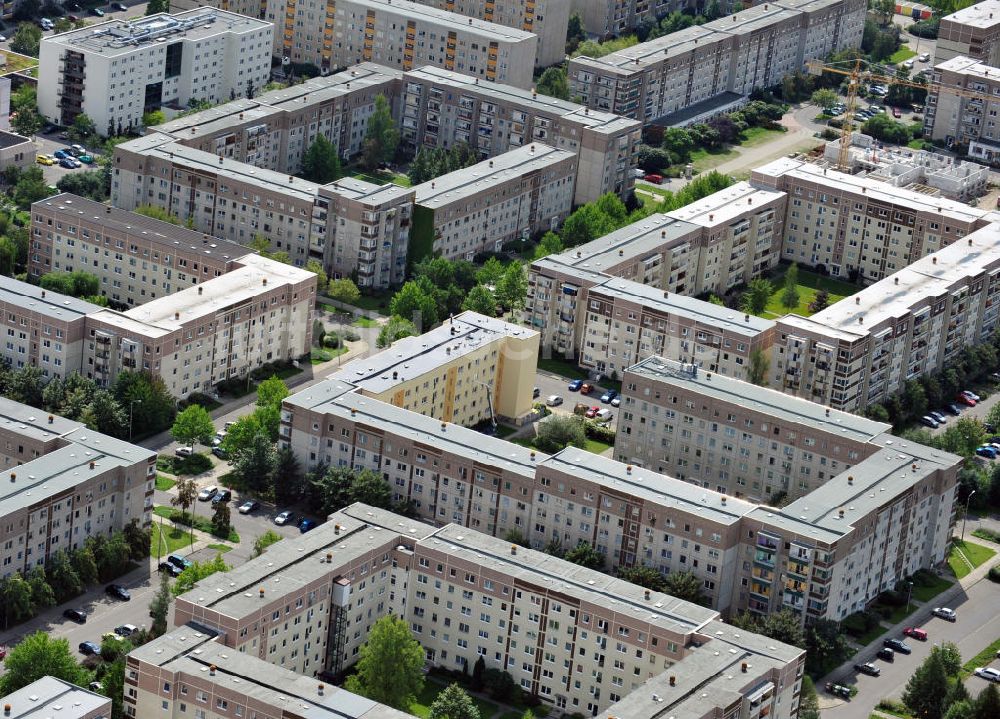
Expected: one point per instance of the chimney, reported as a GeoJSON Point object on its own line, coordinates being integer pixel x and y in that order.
{"type": "Point", "coordinates": [395, 374]}
{"type": "Point", "coordinates": [177, 315]}
{"type": "Point", "coordinates": [513, 549]}
{"type": "Point", "coordinates": [13, 476]}
{"type": "Point", "coordinates": [200, 289]}
{"type": "Point", "coordinates": [444, 426]}
{"type": "Point", "coordinates": [840, 512]}
{"type": "Point", "coordinates": [666, 294]}
{"type": "Point", "coordinates": [970, 242]}
{"type": "Point", "coordinates": [43, 293]}
{"type": "Point", "coordinates": [261, 590]}
{"type": "Point", "coordinates": [647, 595]}
{"type": "Point", "coordinates": [320, 689]}
{"type": "Point", "coordinates": [914, 467]}
{"type": "Point", "coordinates": [857, 300]}
{"type": "Point", "coordinates": [895, 280]}
{"type": "Point", "coordinates": [532, 455]}
{"type": "Point", "coordinates": [934, 260]}
{"type": "Point", "coordinates": [711, 216]}
{"type": "Point", "coordinates": [628, 469]}
{"type": "Point", "coordinates": [329, 557]}
{"type": "Point", "coordinates": [532, 149]}
{"type": "Point", "coordinates": [746, 318]}
{"type": "Point", "coordinates": [723, 500]}
{"type": "Point", "coordinates": [491, 163]}
{"type": "Point", "coordinates": [353, 411]}
{"type": "Point", "coordinates": [220, 159]}
{"type": "Point", "coordinates": [290, 179]}
{"type": "Point", "coordinates": [241, 115]}
{"type": "Point", "coordinates": [579, 254]}
{"type": "Point", "coordinates": [673, 680]}
{"type": "Point", "coordinates": [621, 253]}
{"type": "Point", "coordinates": [51, 419]}
{"type": "Point", "coordinates": [743, 667]}
{"type": "Point", "coordinates": [861, 320]}
{"type": "Point", "coordinates": [6, 710]}
{"type": "Point", "coordinates": [663, 233]}
{"type": "Point", "coordinates": [827, 411]}
{"type": "Point", "coordinates": [336, 529]}
{"type": "Point", "coordinates": [850, 480]}
{"type": "Point", "coordinates": [265, 282]}
{"type": "Point", "coordinates": [211, 670]}
{"type": "Point", "coordinates": [432, 184]}
{"type": "Point", "coordinates": [92, 464]}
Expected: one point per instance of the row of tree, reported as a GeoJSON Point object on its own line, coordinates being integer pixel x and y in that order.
{"type": "Point", "coordinates": [936, 690]}
{"type": "Point", "coordinates": [431, 162]}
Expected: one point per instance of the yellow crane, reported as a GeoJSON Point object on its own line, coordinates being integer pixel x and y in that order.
{"type": "Point", "coordinates": [858, 73]}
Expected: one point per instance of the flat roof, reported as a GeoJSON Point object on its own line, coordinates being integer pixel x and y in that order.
{"type": "Point", "coordinates": [934, 275]}
{"type": "Point", "coordinates": [662, 489]}
{"type": "Point", "coordinates": [124, 37]}
{"type": "Point", "coordinates": [51, 697]}
{"type": "Point", "coordinates": [963, 65]}
{"type": "Point", "coordinates": [639, 240]}
{"type": "Point", "coordinates": [32, 298]}
{"type": "Point", "coordinates": [367, 192]}
{"type": "Point", "coordinates": [653, 52]}
{"type": "Point", "coordinates": [10, 139]}
{"type": "Point", "coordinates": [470, 181]}
{"type": "Point", "coordinates": [445, 19]}
{"type": "Point", "coordinates": [781, 406]}
{"type": "Point", "coordinates": [710, 105]}
{"type": "Point", "coordinates": [726, 205]}
{"type": "Point", "coordinates": [983, 15]}
{"type": "Point", "coordinates": [413, 357]}
{"type": "Point", "coordinates": [164, 233]}
{"type": "Point", "coordinates": [595, 120]}
{"type": "Point", "coordinates": [753, 19]}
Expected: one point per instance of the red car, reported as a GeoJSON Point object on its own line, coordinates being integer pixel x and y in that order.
{"type": "Point", "coordinates": [966, 400]}
{"type": "Point", "coordinates": [896, 112]}
{"type": "Point", "coordinates": [655, 179]}
{"type": "Point", "coordinates": [592, 412]}
{"type": "Point", "coordinates": [920, 634]}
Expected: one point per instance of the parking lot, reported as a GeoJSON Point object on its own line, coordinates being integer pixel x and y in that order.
{"type": "Point", "coordinates": [551, 384]}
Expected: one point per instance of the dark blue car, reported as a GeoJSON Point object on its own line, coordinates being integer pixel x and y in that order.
{"type": "Point", "coordinates": [988, 452]}
{"type": "Point", "coordinates": [575, 385]}
{"type": "Point", "coordinates": [60, 154]}
{"type": "Point", "coordinates": [306, 524]}
{"type": "Point", "coordinates": [89, 648]}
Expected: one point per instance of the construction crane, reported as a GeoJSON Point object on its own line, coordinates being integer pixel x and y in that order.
{"type": "Point", "coordinates": [860, 72]}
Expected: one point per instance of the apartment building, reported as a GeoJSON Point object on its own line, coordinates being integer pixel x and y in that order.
{"type": "Point", "coordinates": [609, 324]}
{"type": "Point", "coordinates": [468, 370]}
{"type": "Point", "coordinates": [63, 484]}
{"type": "Point", "coordinates": [857, 227]}
{"type": "Point", "coordinates": [967, 119]}
{"type": "Point", "coordinates": [119, 70]}
{"type": "Point", "coordinates": [466, 595]}
{"type": "Point", "coordinates": [972, 32]}
{"type": "Point", "coordinates": [50, 696]}
{"type": "Point", "coordinates": [513, 196]}
{"type": "Point", "coordinates": [440, 108]}
{"type": "Point", "coordinates": [733, 436]}
{"type": "Point", "coordinates": [613, 17]}
{"type": "Point", "coordinates": [687, 76]}
{"type": "Point", "coordinates": [348, 225]}
{"type": "Point", "coordinates": [274, 129]}
{"type": "Point", "coordinates": [136, 258]}
{"type": "Point", "coordinates": [42, 329]}
{"type": "Point", "coordinates": [403, 35]}
{"type": "Point", "coordinates": [864, 348]}
{"type": "Point", "coordinates": [633, 515]}
{"type": "Point", "coordinates": [16, 150]}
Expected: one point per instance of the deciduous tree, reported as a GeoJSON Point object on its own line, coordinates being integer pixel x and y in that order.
{"type": "Point", "coordinates": [193, 424]}
{"type": "Point", "coordinates": [390, 670]}
{"type": "Point", "coordinates": [343, 290]}
{"type": "Point", "coordinates": [381, 135]}
{"type": "Point", "coordinates": [453, 703]}
{"type": "Point", "coordinates": [36, 656]}
{"type": "Point", "coordinates": [395, 329]}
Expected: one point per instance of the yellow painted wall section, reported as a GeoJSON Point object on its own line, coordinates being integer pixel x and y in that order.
{"type": "Point", "coordinates": [449, 394]}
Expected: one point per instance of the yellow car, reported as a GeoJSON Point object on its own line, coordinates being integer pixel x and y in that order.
{"type": "Point", "coordinates": [45, 160]}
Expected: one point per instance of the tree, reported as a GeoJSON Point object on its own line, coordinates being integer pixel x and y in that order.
{"type": "Point", "coordinates": [289, 479]}
{"type": "Point", "coordinates": [316, 267]}
{"type": "Point", "coordinates": [36, 656]}
{"type": "Point", "coordinates": [820, 302]}
{"type": "Point", "coordinates": [264, 541]}
{"type": "Point", "coordinates": [343, 290]}
{"type": "Point", "coordinates": [94, 184]}
{"type": "Point", "coordinates": [480, 300]}
{"type": "Point", "coordinates": [678, 143]}
{"type": "Point", "coordinates": [390, 670]}
{"type": "Point", "coordinates": [84, 565]}
{"type": "Point", "coordinates": [961, 709]}
{"type": "Point", "coordinates": [927, 689]}
{"type": "Point", "coordinates": [31, 187]}
{"type": "Point", "coordinates": [159, 607]}
{"type": "Point", "coordinates": [987, 705]}
{"type": "Point", "coordinates": [760, 363]}
{"type": "Point", "coordinates": [15, 599]}
{"type": "Point", "coordinates": [585, 555]}
{"type": "Point", "coordinates": [240, 435]}
{"type": "Point", "coordinates": [684, 585]}
{"type": "Point", "coordinates": [883, 10]}
{"type": "Point", "coordinates": [643, 576]}
{"type": "Point", "coordinates": [575, 33]}
{"type": "Point", "coordinates": [254, 466]}
{"type": "Point", "coordinates": [790, 295]}
{"type": "Point", "coordinates": [755, 299]}
{"type": "Point", "coordinates": [553, 83]}
{"type": "Point", "coordinates": [414, 303]}
{"type": "Point", "coordinates": [196, 572]}
{"type": "Point", "coordinates": [490, 273]}
{"type": "Point", "coordinates": [62, 577]}
{"type": "Point", "coordinates": [395, 329]}
{"type": "Point", "coordinates": [42, 596]}
{"type": "Point", "coordinates": [104, 414]}
{"type": "Point", "coordinates": [884, 128]}
{"type": "Point", "coordinates": [193, 424]}
{"type": "Point", "coordinates": [512, 289]}
{"type": "Point", "coordinates": [221, 519]}
{"type": "Point", "coordinates": [381, 136]}
{"type": "Point", "coordinates": [83, 129]}
{"type": "Point", "coordinates": [368, 487]}
{"type": "Point", "coordinates": [155, 408]}
{"type": "Point", "coordinates": [550, 244]}
{"type": "Point", "coordinates": [187, 492]}
{"type": "Point", "coordinates": [271, 392]}
{"type": "Point", "coordinates": [808, 701]}
{"type": "Point", "coordinates": [453, 703]}
{"type": "Point", "coordinates": [112, 555]}
{"type": "Point", "coordinates": [560, 431]}
{"type": "Point", "coordinates": [321, 163]}
{"type": "Point", "coordinates": [824, 98]}
{"type": "Point", "coordinates": [27, 122]}
{"type": "Point", "coordinates": [157, 6]}
{"type": "Point", "coordinates": [153, 118]}
{"type": "Point", "coordinates": [113, 686]}
{"type": "Point", "coordinates": [24, 97]}
{"type": "Point", "coordinates": [478, 669]}
{"type": "Point", "coordinates": [26, 39]}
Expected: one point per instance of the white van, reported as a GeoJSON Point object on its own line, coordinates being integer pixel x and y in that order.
{"type": "Point", "coordinates": [924, 57]}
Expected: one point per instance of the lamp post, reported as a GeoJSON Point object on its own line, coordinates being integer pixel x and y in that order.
{"type": "Point", "coordinates": [131, 407]}
{"type": "Point", "coordinates": [966, 515]}
{"type": "Point", "coordinates": [909, 593]}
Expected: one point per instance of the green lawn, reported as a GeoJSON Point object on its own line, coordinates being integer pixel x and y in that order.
{"type": "Point", "coordinates": [164, 483]}
{"type": "Point", "coordinates": [902, 54]}
{"type": "Point", "coordinates": [900, 613]}
{"type": "Point", "coordinates": [934, 587]}
{"type": "Point", "coordinates": [871, 635]}
{"type": "Point", "coordinates": [975, 553]}
{"type": "Point", "coordinates": [561, 367]}
{"type": "Point", "coordinates": [201, 523]}
{"type": "Point", "coordinates": [364, 322]}
{"type": "Point", "coordinates": [169, 540]}
{"type": "Point", "coordinates": [220, 547]}
{"type": "Point", "coordinates": [422, 707]}
{"type": "Point", "coordinates": [596, 446]}
{"type": "Point", "coordinates": [318, 356]}
{"type": "Point", "coordinates": [703, 159]}
{"type": "Point", "coordinates": [505, 430]}
{"type": "Point", "coordinates": [809, 284]}
{"type": "Point", "coordinates": [17, 62]}
{"type": "Point", "coordinates": [754, 136]}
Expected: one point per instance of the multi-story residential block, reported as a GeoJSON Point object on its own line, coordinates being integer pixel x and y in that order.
{"type": "Point", "coordinates": [865, 347]}
{"type": "Point", "coordinates": [688, 76]}
{"type": "Point", "coordinates": [43, 329]}
{"type": "Point", "coordinates": [466, 595]}
{"type": "Point", "coordinates": [441, 108]}
{"type": "Point", "coordinates": [613, 17]}
{"type": "Point", "coordinates": [273, 130]}
{"type": "Point", "coordinates": [967, 119]}
{"type": "Point", "coordinates": [513, 196]}
{"type": "Point", "coordinates": [64, 484]}
{"type": "Point", "coordinates": [348, 225]}
{"type": "Point", "coordinates": [16, 151]}
{"type": "Point", "coordinates": [119, 70]}
{"type": "Point", "coordinates": [732, 436]}
{"type": "Point", "coordinates": [971, 32]}
{"type": "Point", "coordinates": [609, 324]}
{"type": "Point", "coordinates": [136, 258]}
{"type": "Point", "coordinates": [633, 515]}
{"type": "Point", "coordinates": [401, 34]}
{"type": "Point", "coordinates": [858, 227]}
{"type": "Point", "coordinates": [50, 696]}
{"type": "Point", "coordinates": [468, 370]}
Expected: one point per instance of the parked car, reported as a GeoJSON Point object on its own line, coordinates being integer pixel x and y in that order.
{"type": "Point", "coordinates": [916, 633]}
{"type": "Point", "coordinates": [896, 113]}
{"type": "Point", "coordinates": [868, 668]}
{"type": "Point", "coordinates": [219, 436]}
{"type": "Point", "coordinates": [586, 388]}
{"type": "Point", "coordinates": [554, 400]}
{"type": "Point", "coordinates": [220, 453]}
{"type": "Point", "coordinates": [45, 24]}
{"type": "Point", "coordinates": [97, 12]}
{"type": "Point", "coordinates": [886, 654]}
{"type": "Point", "coordinates": [938, 415]}
{"type": "Point", "coordinates": [86, 159]}
{"type": "Point", "coordinates": [954, 409]}
{"type": "Point", "coordinates": [207, 493]}
{"type": "Point", "coordinates": [535, 392]}
{"type": "Point", "coordinates": [126, 630]}
{"type": "Point", "coordinates": [60, 154]}
{"type": "Point", "coordinates": [179, 561]}
{"type": "Point", "coordinates": [89, 648]}
{"type": "Point", "coordinates": [924, 56]}
{"type": "Point", "coordinates": [575, 385]}
{"type": "Point", "coordinates": [988, 673]}
{"type": "Point", "coordinates": [608, 396]}
{"type": "Point", "coordinates": [120, 6]}
{"type": "Point", "coordinates": [76, 150]}
{"type": "Point", "coordinates": [945, 613]}
{"type": "Point", "coordinates": [971, 395]}
{"type": "Point", "coordinates": [604, 414]}
{"type": "Point", "coordinates": [306, 524]}
{"type": "Point", "coordinates": [228, 426]}
{"type": "Point", "coordinates": [45, 160]}
{"type": "Point", "coordinates": [172, 569]}
{"type": "Point", "coordinates": [249, 506]}
{"type": "Point", "coordinates": [77, 615]}
{"type": "Point", "coordinates": [616, 402]}
{"type": "Point", "coordinates": [591, 412]}
{"type": "Point", "coordinates": [223, 495]}
{"type": "Point", "coordinates": [986, 451]}
{"type": "Point", "coordinates": [118, 592]}
{"type": "Point", "coordinates": [184, 451]}
{"type": "Point", "coordinates": [655, 179]}
{"type": "Point", "coordinates": [928, 421]}
{"type": "Point", "coordinates": [284, 518]}
{"type": "Point", "coordinates": [908, 64]}
{"type": "Point", "coordinates": [838, 690]}
{"type": "Point", "coordinates": [897, 645]}
{"type": "Point", "coordinates": [967, 401]}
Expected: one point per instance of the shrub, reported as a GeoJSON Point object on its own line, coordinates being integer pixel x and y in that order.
{"type": "Point", "coordinates": [994, 574]}
{"type": "Point", "coordinates": [892, 598]}
{"type": "Point", "coordinates": [860, 622]}
{"type": "Point", "coordinates": [598, 431]}
{"type": "Point", "coordinates": [195, 464]}
{"type": "Point", "coordinates": [201, 399]}
{"type": "Point", "coordinates": [350, 335]}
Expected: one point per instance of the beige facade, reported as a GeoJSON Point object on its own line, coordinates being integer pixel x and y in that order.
{"type": "Point", "coordinates": [968, 120]}
{"type": "Point", "coordinates": [441, 108]}
{"type": "Point", "coordinates": [680, 77]}
{"type": "Point", "coordinates": [854, 226]}
{"type": "Point", "coordinates": [864, 348]}
{"type": "Point", "coordinates": [614, 17]}
{"type": "Point", "coordinates": [64, 483]}
{"type": "Point", "coordinates": [972, 32]}
{"type": "Point", "coordinates": [516, 195]}
{"type": "Point", "coordinates": [577, 639]}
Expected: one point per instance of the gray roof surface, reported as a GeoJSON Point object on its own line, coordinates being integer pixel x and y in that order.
{"type": "Point", "coordinates": [445, 19]}
{"type": "Point", "coordinates": [983, 15]}
{"type": "Point", "coordinates": [50, 697]}
{"type": "Point", "coordinates": [29, 298]}
{"type": "Point", "coordinates": [361, 191]}
{"type": "Point", "coordinates": [640, 239]}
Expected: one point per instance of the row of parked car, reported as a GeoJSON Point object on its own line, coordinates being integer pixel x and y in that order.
{"type": "Point", "coordinates": [935, 418]}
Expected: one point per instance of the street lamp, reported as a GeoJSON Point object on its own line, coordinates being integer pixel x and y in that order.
{"type": "Point", "coordinates": [966, 515]}
{"type": "Point", "coordinates": [131, 407]}
{"type": "Point", "coordinates": [909, 593]}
